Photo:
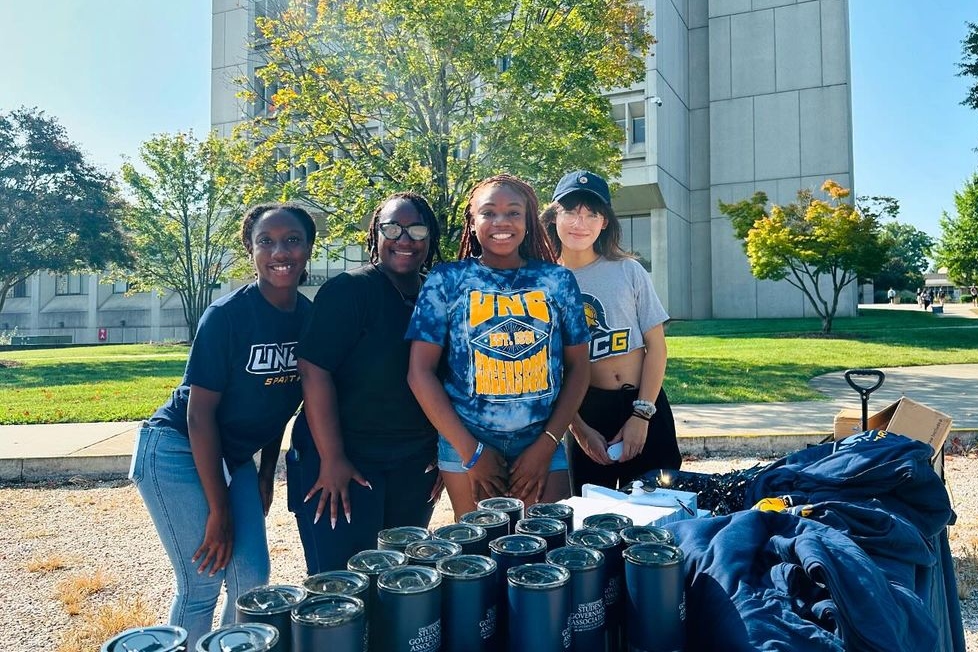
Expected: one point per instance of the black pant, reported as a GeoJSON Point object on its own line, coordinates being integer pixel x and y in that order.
{"type": "Point", "coordinates": [607, 410]}
{"type": "Point", "coordinates": [400, 494]}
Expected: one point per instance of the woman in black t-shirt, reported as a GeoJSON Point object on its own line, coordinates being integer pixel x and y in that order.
{"type": "Point", "coordinates": [362, 450]}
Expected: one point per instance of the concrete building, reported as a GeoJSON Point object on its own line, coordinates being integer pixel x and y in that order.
{"type": "Point", "coordinates": [739, 96]}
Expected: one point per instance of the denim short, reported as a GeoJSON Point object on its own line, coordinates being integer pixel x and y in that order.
{"type": "Point", "coordinates": [510, 444]}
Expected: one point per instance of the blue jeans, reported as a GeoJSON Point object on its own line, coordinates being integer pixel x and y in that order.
{"type": "Point", "coordinates": [509, 444]}
{"type": "Point", "coordinates": [164, 473]}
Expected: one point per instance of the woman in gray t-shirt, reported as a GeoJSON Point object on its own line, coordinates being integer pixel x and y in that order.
{"type": "Point", "coordinates": [625, 403]}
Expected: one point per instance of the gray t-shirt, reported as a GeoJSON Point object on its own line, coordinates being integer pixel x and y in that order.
{"type": "Point", "coordinates": [620, 305]}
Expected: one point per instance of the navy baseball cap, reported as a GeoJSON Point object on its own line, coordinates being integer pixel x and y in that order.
{"type": "Point", "coordinates": [582, 180]}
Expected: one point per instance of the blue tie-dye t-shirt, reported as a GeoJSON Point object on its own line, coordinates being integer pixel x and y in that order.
{"type": "Point", "coordinates": [504, 331]}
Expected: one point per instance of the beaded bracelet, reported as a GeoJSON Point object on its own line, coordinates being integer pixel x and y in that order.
{"type": "Point", "coordinates": [475, 457]}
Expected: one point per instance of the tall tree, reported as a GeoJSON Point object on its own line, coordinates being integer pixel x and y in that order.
{"type": "Point", "coordinates": [818, 246]}
{"type": "Point", "coordinates": [57, 211]}
{"type": "Point", "coordinates": [184, 217]}
{"type": "Point", "coordinates": [906, 260]}
{"type": "Point", "coordinates": [968, 67]}
{"type": "Point", "coordinates": [431, 95]}
{"type": "Point", "coordinates": [958, 246]}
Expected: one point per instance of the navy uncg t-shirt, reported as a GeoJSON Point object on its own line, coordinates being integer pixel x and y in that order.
{"type": "Point", "coordinates": [244, 349]}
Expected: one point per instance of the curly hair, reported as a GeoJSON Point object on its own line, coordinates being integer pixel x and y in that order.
{"type": "Point", "coordinates": [608, 243]}
{"type": "Point", "coordinates": [256, 212]}
{"type": "Point", "coordinates": [535, 243]}
{"type": "Point", "coordinates": [427, 216]}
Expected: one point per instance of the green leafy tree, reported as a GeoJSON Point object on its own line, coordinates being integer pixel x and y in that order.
{"type": "Point", "coordinates": [818, 246]}
{"type": "Point", "coordinates": [184, 218]}
{"type": "Point", "coordinates": [958, 246]}
{"type": "Point", "coordinates": [968, 67]}
{"type": "Point", "coordinates": [432, 95]}
{"type": "Point", "coordinates": [906, 260]}
{"type": "Point", "coordinates": [57, 211]}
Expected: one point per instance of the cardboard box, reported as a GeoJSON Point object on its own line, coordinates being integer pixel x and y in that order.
{"type": "Point", "coordinates": [904, 417]}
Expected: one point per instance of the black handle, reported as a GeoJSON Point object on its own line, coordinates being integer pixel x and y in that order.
{"type": "Point", "coordinates": [865, 390]}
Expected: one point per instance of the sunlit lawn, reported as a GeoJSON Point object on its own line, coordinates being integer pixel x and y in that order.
{"type": "Point", "coordinates": [716, 361]}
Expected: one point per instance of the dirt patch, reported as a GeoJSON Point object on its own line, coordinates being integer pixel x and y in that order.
{"type": "Point", "coordinates": [10, 364]}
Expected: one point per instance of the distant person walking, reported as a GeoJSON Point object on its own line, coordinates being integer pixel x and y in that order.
{"type": "Point", "coordinates": [891, 295]}
{"type": "Point", "coordinates": [925, 299]}
{"type": "Point", "coordinates": [973, 291]}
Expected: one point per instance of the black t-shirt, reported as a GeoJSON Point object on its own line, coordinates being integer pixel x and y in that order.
{"type": "Point", "coordinates": [244, 349]}
{"type": "Point", "coordinates": [356, 332]}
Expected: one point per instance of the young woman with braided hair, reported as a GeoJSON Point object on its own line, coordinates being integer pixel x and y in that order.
{"type": "Point", "coordinates": [511, 325]}
{"type": "Point", "coordinates": [363, 453]}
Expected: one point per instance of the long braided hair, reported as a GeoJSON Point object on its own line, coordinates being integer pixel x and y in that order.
{"type": "Point", "coordinates": [535, 243]}
{"type": "Point", "coordinates": [427, 216]}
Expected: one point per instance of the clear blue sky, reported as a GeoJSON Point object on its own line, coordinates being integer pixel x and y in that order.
{"type": "Point", "coordinates": [114, 72]}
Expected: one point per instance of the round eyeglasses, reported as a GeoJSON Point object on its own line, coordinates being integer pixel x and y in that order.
{"type": "Point", "coordinates": [572, 217]}
{"type": "Point", "coordinates": [393, 230]}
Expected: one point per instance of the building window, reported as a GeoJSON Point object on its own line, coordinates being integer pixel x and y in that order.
{"type": "Point", "coordinates": [269, 8]}
{"type": "Point", "coordinates": [636, 237]}
{"type": "Point", "coordinates": [264, 96]}
{"type": "Point", "coordinates": [70, 284]}
{"type": "Point", "coordinates": [19, 290]}
{"type": "Point", "coordinates": [334, 260]}
{"type": "Point", "coordinates": [120, 287]}
{"type": "Point", "coordinates": [630, 118]}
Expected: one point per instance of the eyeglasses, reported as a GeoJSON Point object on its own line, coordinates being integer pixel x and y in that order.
{"type": "Point", "coordinates": [571, 217]}
{"type": "Point", "coordinates": [393, 230]}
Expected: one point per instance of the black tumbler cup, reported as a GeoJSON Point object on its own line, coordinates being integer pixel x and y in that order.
{"type": "Point", "coordinates": [511, 507]}
{"type": "Point", "coordinates": [333, 622]}
{"type": "Point", "coordinates": [343, 582]}
{"type": "Point", "coordinates": [656, 603]}
{"type": "Point", "coordinates": [429, 551]}
{"type": "Point", "coordinates": [646, 534]}
{"type": "Point", "coordinates": [551, 530]}
{"type": "Point", "coordinates": [241, 637]}
{"type": "Point", "coordinates": [611, 522]}
{"type": "Point", "coordinates": [586, 566]}
{"type": "Point", "coordinates": [372, 563]}
{"type": "Point", "coordinates": [609, 543]}
{"type": "Point", "coordinates": [559, 511]}
{"type": "Point", "coordinates": [495, 523]}
{"type": "Point", "coordinates": [398, 538]}
{"type": "Point", "coordinates": [271, 605]}
{"type": "Point", "coordinates": [409, 609]}
{"type": "Point", "coordinates": [539, 608]}
{"type": "Point", "coordinates": [509, 551]}
{"type": "Point", "coordinates": [469, 602]}
{"type": "Point", "coordinates": [473, 538]}
{"type": "Point", "coordinates": [159, 638]}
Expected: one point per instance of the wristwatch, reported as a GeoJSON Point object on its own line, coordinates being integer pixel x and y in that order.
{"type": "Point", "coordinates": [643, 409]}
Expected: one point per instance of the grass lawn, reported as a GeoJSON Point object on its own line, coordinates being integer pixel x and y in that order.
{"type": "Point", "coordinates": [716, 361]}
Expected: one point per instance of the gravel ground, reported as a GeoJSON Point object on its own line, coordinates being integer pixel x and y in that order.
{"type": "Point", "coordinates": [88, 527]}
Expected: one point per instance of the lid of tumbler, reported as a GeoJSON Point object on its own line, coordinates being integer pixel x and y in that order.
{"type": "Point", "coordinates": [501, 503]}
{"type": "Point", "coordinates": [540, 526]}
{"type": "Point", "coordinates": [461, 532]}
{"type": "Point", "coordinates": [466, 566]}
{"type": "Point", "coordinates": [403, 535]}
{"type": "Point", "coordinates": [432, 550]}
{"type": "Point", "coordinates": [344, 582]}
{"type": "Point", "coordinates": [161, 638]}
{"type": "Point", "coordinates": [328, 610]}
{"type": "Point", "coordinates": [270, 599]}
{"type": "Point", "coordinates": [550, 510]}
{"type": "Point", "coordinates": [653, 554]}
{"type": "Point", "coordinates": [409, 579]}
{"type": "Point", "coordinates": [484, 517]}
{"type": "Point", "coordinates": [646, 534]}
{"type": "Point", "coordinates": [609, 521]}
{"type": "Point", "coordinates": [538, 576]}
{"type": "Point", "coordinates": [593, 538]}
{"type": "Point", "coordinates": [373, 562]}
{"type": "Point", "coordinates": [239, 637]}
{"type": "Point", "coordinates": [517, 544]}
{"type": "Point", "coordinates": [576, 557]}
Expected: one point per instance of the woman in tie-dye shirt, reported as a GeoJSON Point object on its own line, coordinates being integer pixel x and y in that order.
{"type": "Point", "coordinates": [511, 325]}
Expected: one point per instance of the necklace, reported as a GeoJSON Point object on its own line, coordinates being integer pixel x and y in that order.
{"type": "Point", "coordinates": [407, 300]}
{"type": "Point", "coordinates": [501, 273]}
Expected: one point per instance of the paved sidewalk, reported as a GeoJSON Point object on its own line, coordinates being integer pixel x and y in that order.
{"type": "Point", "coordinates": [30, 453]}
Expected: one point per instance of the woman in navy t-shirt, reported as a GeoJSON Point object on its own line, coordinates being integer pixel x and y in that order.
{"type": "Point", "coordinates": [193, 458]}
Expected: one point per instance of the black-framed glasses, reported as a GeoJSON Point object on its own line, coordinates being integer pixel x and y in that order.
{"type": "Point", "coordinates": [393, 230]}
